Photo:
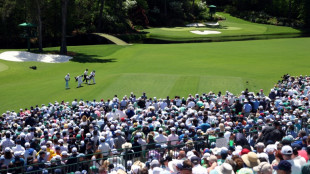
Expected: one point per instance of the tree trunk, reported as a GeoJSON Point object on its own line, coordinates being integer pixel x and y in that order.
{"type": "Point", "coordinates": [63, 46]}
{"type": "Point", "coordinates": [306, 13]}
{"type": "Point", "coordinates": [99, 28]}
{"type": "Point", "coordinates": [165, 8]}
{"type": "Point", "coordinates": [39, 26]}
{"type": "Point", "coordinates": [289, 12]}
{"type": "Point", "coordinates": [193, 4]}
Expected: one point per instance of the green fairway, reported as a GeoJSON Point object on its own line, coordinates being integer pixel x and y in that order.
{"type": "Point", "coordinates": [159, 70]}
{"type": "Point", "coordinates": [231, 27]}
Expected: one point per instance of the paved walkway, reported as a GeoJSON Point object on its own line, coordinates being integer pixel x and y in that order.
{"type": "Point", "coordinates": [113, 39]}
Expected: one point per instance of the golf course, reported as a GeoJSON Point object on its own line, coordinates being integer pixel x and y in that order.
{"type": "Point", "coordinates": [231, 28]}
{"type": "Point", "coordinates": [157, 69]}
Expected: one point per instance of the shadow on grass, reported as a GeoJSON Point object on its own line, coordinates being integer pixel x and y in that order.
{"type": "Point", "coordinates": [85, 58]}
{"type": "Point", "coordinates": [81, 58]}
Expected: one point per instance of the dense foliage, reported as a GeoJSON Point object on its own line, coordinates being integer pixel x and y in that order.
{"type": "Point", "coordinates": [129, 16]}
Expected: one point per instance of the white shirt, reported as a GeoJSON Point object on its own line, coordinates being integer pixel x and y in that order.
{"type": "Point", "coordinates": [160, 138]}
{"type": "Point", "coordinates": [79, 79]}
{"type": "Point", "coordinates": [173, 138]}
{"type": "Point", "coordinates": [18, 148]}
{"type": "Point", "coordinates": [29, 136]}
{"type": "Point", "coordinates": [191, 104]}
{"type": "Point", "coordinates": [198, 169]}
{"type": "Point", "coordinates": [296, 168]}
{"type": "Point", "coordinates": [74, 103]}
{"type": "Point", "coordinates": [121, 114]}
{"type": "Point", "coordinates": [111, 115]}
{"type": "Point", "coordinates": [26, 154]}
{"type": "Point", "coordinates": [67, 77]}
{"type": "Point", "coordinates": [7, 142]}
{"type": "Point", "coordinates": [100, 122]}
{"type": "Point", "coordinates": [104, 148]}
{"type": "Point", "coordinates": [300, 160]}
{"type": "Point", "coordinates": [63, 148]}
{"type": "Point", "coordinates": [163, 105]}
{"type": "Point", "coordinates": [178, 102]}
{"type": "Point", "coordinates": [142, 143]}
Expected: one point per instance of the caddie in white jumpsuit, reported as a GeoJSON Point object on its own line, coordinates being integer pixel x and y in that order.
{"type": "Point", "coordinates": [92, 75]}
{"type": "Point", "coordinates": [80, 81]}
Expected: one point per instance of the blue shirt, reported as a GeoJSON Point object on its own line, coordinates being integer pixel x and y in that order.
{"type": "Point", "coordinates": [247, 107]}
{"type": "Point", "coordinates": [204, 126]}
{"type": "Point", "coordinates": [255, 104]}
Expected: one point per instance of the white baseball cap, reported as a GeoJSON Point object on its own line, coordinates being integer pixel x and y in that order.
{"type": "Point", "coordinates": [64, 153]}
{"type": "Point", "coordinates": [287, 150]}
{"type": "Point", "coordinates": [74, 149]}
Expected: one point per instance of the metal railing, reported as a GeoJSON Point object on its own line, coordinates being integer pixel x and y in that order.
{"type": "Point", "coordinates": [122, 157]}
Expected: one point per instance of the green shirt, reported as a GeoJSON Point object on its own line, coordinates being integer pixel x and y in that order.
{"type": "Point", "coordinates": [306, 168]}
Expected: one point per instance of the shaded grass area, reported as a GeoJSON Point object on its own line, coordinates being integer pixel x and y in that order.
{"type": "Point", "coordinates": [158, 70]}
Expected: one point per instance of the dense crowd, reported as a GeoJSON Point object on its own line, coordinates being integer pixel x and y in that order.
{"type": "Point", "coordinates": [201, 134]}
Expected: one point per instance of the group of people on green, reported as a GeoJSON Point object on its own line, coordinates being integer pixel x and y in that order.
{"type": "Point", "coordinates": [81, 78]}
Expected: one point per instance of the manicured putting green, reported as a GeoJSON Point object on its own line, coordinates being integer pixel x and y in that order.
{"type": "Point", "coordinates": [157, 69]}
{"type": "Point", "coordinates": [230, 27]}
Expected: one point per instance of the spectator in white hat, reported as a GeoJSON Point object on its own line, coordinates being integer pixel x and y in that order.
{"type": "Point", "coordinates": [29, 152]}
{"type": "Point", "coordinates": [160, 138]}
{"type": "Point", "coordinates": [119, 140]}
{"type": "Point", "coordinates": [287, 152]}
{"type": "Point", "coordinates": [64, 156]}
{"type": "Point", "coordinates": [104, 147]}
{"type": "Point", "coordinates": [173, 138]}
{"type": "Point", "coordinates": [8, 156]}
{"type": "Point", "coordinates": [141, 141]}
{"type": "Point", "coordinates": [62, 146]}
{"type": "Point", "coordinates": [263, 168]}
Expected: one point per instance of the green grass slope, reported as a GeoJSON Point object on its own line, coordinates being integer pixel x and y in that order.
{"type": "Point", "coordinates": [231, 27]}
{"type": "Point", "coordinates": [158, 70]}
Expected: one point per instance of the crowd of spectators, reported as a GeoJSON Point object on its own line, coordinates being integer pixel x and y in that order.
{"type": "Point", "coordinates": [200, 134]}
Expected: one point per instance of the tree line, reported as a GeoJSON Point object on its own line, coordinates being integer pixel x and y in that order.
{"type": "Point", "coordinates": [57, 20]}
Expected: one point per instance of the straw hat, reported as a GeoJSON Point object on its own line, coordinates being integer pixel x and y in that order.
{"type": "Point", "coordinates": [172, 165]}
{"type": "Point", "coordinates": [140, 164]}
{"type": "Point", "coordinates": [127, 145]}
{"type": "Point", "coordinates": [250, 159]}
{"type": "Point", "coordinates": [135, 169]}
{"type": "Point", "coordinates": [120, 171]}
{"type": "Point", "coordinates": [263, 167]}
{"type": "Point", "coordinates": [225, 168]}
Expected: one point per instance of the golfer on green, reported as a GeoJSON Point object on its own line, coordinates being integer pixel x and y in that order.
{"type": "Point", "coordinates": [67, 79]}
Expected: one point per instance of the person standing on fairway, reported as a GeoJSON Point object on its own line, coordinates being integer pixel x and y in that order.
{"type": "Point", "coordinates": [67, 79]}
{"type": "Point", "coordinates": [79, 79]}
{"type": "Point", "coordinates": [92, 76]}
{"type": "Point", "coordinates": [85, 75]}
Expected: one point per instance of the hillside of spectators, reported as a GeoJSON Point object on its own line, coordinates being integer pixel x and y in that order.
{"type": "Point", "coordinates": [263, 132]}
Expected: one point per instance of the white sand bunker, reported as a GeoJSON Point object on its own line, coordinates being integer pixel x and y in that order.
{"type": "Point", "coordinates": [196, 25]}
{"type": "Point", "coordinates": [23, 56]}
{"type": "Point", "coordinates": [205, 32]}
{"type": "Point", "coordinates": [212, 24]}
